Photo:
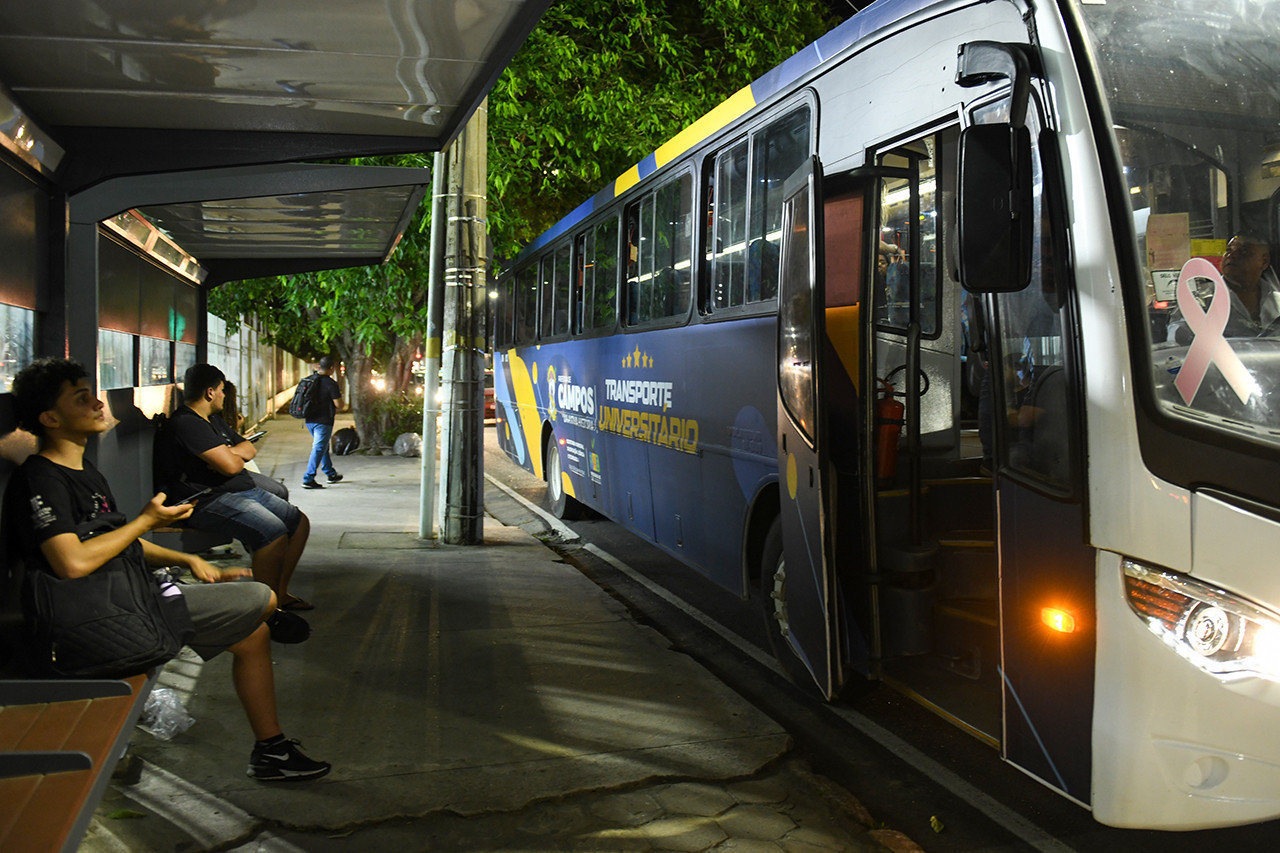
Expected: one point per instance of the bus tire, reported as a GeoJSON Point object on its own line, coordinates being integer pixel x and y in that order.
{"type": "Point", "coordinates": [558, 501]}
{"type": "Point", "coordinates": [773, 598]}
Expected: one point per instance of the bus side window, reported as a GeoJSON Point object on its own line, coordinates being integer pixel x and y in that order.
{"type": "Point", "coordinates": [581, 268]}
{"type": "Point", "coordinates": [777, 151]}
{"type": "Point", "coordinates": [602, 277]}
{"type": "Point", "coordinates": [900, 237]}
{"type": "Point", "coordinates": [527, 304]}
{"type": "Point", "coordinates": [728, 238]}
{"type": "Point", "coordinates": [658, 275]}
{"type": "Point", "coordinates": [504, 313]}
{"type": "Point", "coordinates": [546, 295]}
{"type": "Point", "coordinates": [633, 263]}
{"type": "Point", "coordinates": [563, 284]}
{"type": "Point", "coordinates": [1032, 372]}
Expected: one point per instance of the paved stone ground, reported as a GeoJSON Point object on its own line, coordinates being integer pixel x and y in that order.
{"type": "Point", "coordinates": [783, 809]}
{"type": "Point", "coordinates": [485, 698]}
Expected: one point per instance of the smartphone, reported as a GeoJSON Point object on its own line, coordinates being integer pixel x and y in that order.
{"type": "Point", "coordinates": [190, 499]}
{"type": "Point", "coordinates": [255, 436]}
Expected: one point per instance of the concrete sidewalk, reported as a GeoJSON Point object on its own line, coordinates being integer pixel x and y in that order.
{"type": "Point", "coordinates": [470, 698]}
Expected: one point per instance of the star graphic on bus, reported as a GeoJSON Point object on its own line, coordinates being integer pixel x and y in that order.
{"type": "Point", "coordinates": [638, 359]}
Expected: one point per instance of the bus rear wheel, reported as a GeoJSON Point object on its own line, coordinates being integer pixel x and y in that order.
{"type": "Point", "coordinates": [558, 500]}
{"type": "Point", "coordinates": [773, 597]}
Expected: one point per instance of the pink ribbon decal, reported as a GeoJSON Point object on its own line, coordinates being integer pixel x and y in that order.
{"type": "Point", "coordinates": [1209, 345]}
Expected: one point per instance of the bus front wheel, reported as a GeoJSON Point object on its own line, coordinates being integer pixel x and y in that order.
{"type": "Point", "coordinates": [773, 596]}
{"type": "Point", "coordinates": [559, 501]}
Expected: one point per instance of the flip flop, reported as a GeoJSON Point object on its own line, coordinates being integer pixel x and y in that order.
{"type": "Point", "coordinates": [295, 603]}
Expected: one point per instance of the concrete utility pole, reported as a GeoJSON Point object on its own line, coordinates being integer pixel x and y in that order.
{"type": "Point", "coordinates": [465, 339]}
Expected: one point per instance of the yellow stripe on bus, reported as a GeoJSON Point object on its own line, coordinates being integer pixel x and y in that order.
{"type": "Point", "coordinates": [527, 410]}
{"type": "Point", "coordinates": [737, 104]}
{"type": "Point", "coordinates": [626, 180]}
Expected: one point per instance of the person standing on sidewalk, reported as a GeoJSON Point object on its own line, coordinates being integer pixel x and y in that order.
{"type": "Point", "coordinates": [326, 397]}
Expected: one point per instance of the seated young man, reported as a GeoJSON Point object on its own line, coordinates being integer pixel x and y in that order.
{"type": "Point", "coordinates": [57, 489]}
{"type": "Point", "coordinates": [197, 450]}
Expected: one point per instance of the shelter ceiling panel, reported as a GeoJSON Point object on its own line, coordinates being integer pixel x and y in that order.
{"type": "Point", "coordinates": [129, 86]}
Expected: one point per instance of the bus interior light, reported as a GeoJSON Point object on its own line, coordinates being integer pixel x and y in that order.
{"type": "Point", "coordinates": [1217, 631]}
{"type": "Point", "coordinates": [1058, 619]}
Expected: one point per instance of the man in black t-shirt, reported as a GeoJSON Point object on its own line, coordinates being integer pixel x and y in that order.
{"type": "Point", "coordinates": [196, 450]}
{"type": "Point", "coordinates": [57, 490]}
{"type": "Point", "coordinates": [326, 396]}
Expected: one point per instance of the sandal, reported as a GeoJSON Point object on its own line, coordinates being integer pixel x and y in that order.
{"type": "Point", "coordinates": [292, 602]}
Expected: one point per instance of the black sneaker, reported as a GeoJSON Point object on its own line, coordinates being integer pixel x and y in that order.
{"type": "Point", "coordinates": [336, 478]}
{"type": "Point", "coordinates": [311, 484]}
{"type": "Point", "coordinates": [283, 761]}
{"type": "Point", "coordinates": [288, 627]}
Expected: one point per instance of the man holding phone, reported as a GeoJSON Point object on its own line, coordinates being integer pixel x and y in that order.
{"type": "Point", "coordinates": [57, 490]}
{"type": "Point", "coordinates": [197, 450]}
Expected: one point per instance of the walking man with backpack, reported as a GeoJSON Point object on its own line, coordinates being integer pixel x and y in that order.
{"type": "Point", "coordinates": [320, 400]}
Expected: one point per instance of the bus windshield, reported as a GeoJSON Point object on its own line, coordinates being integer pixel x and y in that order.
{"type": "Point", "coordinates": [1194, 91]}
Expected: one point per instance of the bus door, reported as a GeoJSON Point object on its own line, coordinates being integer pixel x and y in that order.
{"type": "Point", "coordinates": [932, 582]}
{"type": "Point", "coordinates": [803, 596]}
{"type": "Point", "coordinates": [1047, 565]}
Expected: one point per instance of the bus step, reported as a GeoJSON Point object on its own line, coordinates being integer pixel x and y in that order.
{"type": "Point", "coordinates": [967, 566]}
{"type": "Point", "coordinates": [969, 610]}
{"type": "Point", "coordinates": [965, 637]}
{"type": "Point", "coordinates": [977, 539]}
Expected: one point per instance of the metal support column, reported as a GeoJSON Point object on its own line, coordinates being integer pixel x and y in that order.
{"type": "Point", "coordinates": [465, 342]}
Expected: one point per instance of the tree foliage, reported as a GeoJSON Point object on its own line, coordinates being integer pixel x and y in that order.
{"type": "Point", "coordinates": [601, 83]}
{"type": "Point", "coordinates": [598, 86]}
{"type": "Point", "coordinates": [370, 318]}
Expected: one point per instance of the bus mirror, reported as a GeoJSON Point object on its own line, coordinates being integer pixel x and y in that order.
{"type": "Point", "coordinates": [995, 222]}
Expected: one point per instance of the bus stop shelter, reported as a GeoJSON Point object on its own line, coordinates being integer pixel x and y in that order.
{"type": "Point", "coordinates": [209, 117]}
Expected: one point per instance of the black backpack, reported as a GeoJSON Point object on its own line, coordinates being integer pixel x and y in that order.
{"type": "Point", "coordinates": [345, 441]}
{"type": "Point", "coordinates": [304, 397]}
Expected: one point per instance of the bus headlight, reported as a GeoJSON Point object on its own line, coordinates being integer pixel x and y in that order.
{"type": "Point", "coordinates": [1215, 630]}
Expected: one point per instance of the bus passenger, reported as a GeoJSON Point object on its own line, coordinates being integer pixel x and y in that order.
{"type": "Point", "coordinates": [57, 490]}
{"type": "Point", "coordinates": [196, 450]}
{"type": "Point", "coordinates": [235, 420]}
{"type": "Point", "coordinates": [1254, 290]}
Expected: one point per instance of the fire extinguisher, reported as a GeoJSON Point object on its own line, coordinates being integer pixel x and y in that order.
{"type": "Point", "coordinates": [889, 420]}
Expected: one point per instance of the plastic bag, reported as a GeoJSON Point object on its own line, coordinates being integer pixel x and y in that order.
{"type": "Point", "coordinates": [408, 444]}
{"type": "Point", "coordinates": [164, 715]}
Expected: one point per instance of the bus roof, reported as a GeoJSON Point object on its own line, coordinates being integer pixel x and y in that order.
{"type": "Point", "coordinates": [875, 17]}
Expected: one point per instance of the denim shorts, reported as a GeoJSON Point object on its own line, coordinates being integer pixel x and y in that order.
{"type": "Point", "coordinates": [254, 516]}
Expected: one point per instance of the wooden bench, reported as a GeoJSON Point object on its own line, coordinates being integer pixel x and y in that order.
{"type": "Point", "coordinates": [59, 743]}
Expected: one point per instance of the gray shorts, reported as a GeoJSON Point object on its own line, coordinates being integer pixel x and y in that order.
{"type": "Point", "coordinates": [223, 613]}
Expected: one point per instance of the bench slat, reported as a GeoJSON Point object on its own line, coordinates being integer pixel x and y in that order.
{"type": "Point", "coordinates": [35, 763]}
{"type": "Point", "coordinates": [25, 691]}
{"type": "Point", "coordinates": [15, 722]}
{"type": "Point", "coordinates": [49, 814]}
{"type": "Point", "coordinates": [54, 726]}
{"type": "Point", "coordinates": [14, 794]}
{"type": "Point", "coordinates": [46, 812]}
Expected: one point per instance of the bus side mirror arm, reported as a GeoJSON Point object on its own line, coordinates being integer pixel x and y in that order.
{"type": "Point", "coordinates": [980, 62]}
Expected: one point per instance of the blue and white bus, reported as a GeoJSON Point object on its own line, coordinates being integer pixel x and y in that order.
{"type": "Point", "coordinates": [949, 341]}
